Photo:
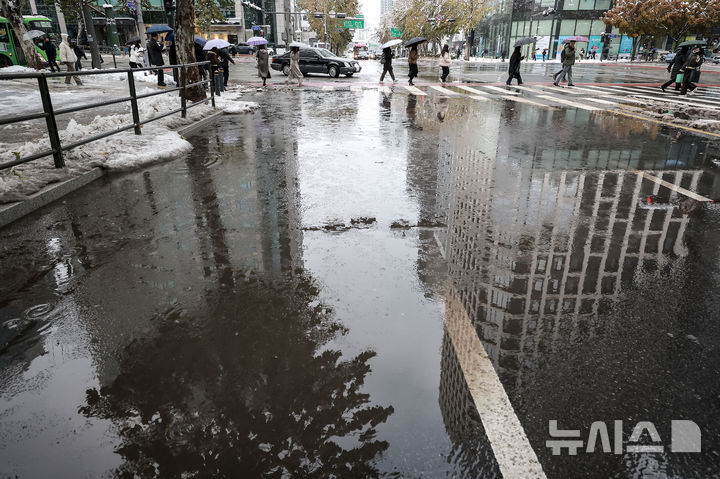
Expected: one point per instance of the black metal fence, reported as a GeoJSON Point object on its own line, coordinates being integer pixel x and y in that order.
{"type": "Point", "coordinates": [49, 113]}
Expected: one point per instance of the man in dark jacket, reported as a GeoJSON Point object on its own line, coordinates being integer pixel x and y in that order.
{"type": "Point", "coordinates": [514, 68]}
{"type": "Point", "coordinates": [79, 53]}
{"type": "Point", "coordinates": [200, 57]}
{"type": "Point", "coordinates": [155, 53]}
{"type": "Point", "coordinates": [691, 68]}
{"type": "Point", "coordinates": [675, 67]}
{"type": "Point", "coordinates": [567, 62]}
{"type": "Point", "coordinates": [51, 52]}
{"type": "Point", "coordinates": [224, 59]}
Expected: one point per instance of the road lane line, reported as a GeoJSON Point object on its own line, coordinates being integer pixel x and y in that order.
{"type": "Point", "coordinates": [500, 90]}
{"type": "Point", "coordinates": [444, 90]}
{"type": "Point", "coordinates": [414, 90]}
{"type": "Point", "coordinates": [525, 100]}
{"type": "Point", "coordinates": [511, 447]}
{"type": "Point", "coordinates": [480, 97]}
{"type": "Point", "coordinates": [604, 102]}
{"type": "Point", "coordinates": [556, 89]}
{"type": "Point", "coordinates": [666, 123]}
{"type": "Point", "coordinates": [672, 186]}
{"type": "Point", "coordinates": [569, 103]}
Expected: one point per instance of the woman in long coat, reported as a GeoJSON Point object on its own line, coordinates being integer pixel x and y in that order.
{"type": "Point", "coordinates": [412, 64]}
{"type": "Point", "coordinates": [514, 68]}
{"type": "Point", "coordinates": [295, 66]}
{"type": "Point", "coordinates": [263, 65]}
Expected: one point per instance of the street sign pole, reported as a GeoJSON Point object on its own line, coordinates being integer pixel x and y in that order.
{"type": "Point", "coordinates": [90, 31]}
{"type": "Point", "coordinates": [140, 23]}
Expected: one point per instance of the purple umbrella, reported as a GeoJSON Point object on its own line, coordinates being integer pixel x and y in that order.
{"type": "Point", "coordinates": [576, 38]}
{"type": "Point", "coordinates": [256, 41]}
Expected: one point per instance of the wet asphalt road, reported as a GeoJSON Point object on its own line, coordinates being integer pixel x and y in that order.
{"type": "Point", "coordinates": [300, 297]}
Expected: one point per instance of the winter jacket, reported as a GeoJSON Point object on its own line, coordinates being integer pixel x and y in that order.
{"type": "Point", "coordinates": [225, 57]}
{"type": "Point", "coordinates": [50, 50]}
{"type": "Point", "coordinates": [677, 63]}
{"type": "Point", "coordinates": [172, 54]}
{"type": "Point", "coordinates": [79, 52]}
{"type": "Point", "coordinates": [155, 53]}
{"type": "Point", "coordinates": [515, 60]}
{"type": "Point", "coordinates": [569, 56]}
{"type": "Point", "coordinates": [445, 59]}
{"type": "Point", "coordinates": [693, 62]}
{"type": "Point", "coordinates": [213, 58]}
{"type": "Point", "coordinates": [67, 54]}
{"type": "Point", "coordinates": [413, 56]}
{"type": "Point", "coordinates": [387, 57]}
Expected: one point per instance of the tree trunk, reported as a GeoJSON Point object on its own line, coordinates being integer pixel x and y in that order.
{"type": "Point", "coordinates": [79, 28]}
{"type": "Point", "coordinates": [184, 43]}
{"type": "Point", "coordinates": [467, 44]}
{"type": "Point", "coordinates": [12, 10]}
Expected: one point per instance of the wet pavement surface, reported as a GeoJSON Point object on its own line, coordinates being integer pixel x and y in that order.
{"type": "Point", "coordinates": [315, 290]}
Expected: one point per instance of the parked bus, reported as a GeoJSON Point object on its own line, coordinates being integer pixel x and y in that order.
{"type": "Point", "coordinates": [10, 51]}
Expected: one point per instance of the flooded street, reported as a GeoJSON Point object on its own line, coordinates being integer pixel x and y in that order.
{"type": "Point", "coordinates": [372, 283]}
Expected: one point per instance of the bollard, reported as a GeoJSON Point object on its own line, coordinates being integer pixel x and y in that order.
{"type": "Point", "coordinates": [50, 122]}
{"type": "Point", "coordinates": [133, 102]}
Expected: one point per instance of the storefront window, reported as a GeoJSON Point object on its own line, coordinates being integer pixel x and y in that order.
{"type": "Point", "coordinates": [583, 27]}
{"type": "Point", "coordinates": [543, 27]}
{"type": "Point", "coordinates": [571, 5]}
{"type": "Point", "coordinates": [602, 5]}
{"type": "Point", "coordinates": [567, 27]}
{"type": "Point", "coordinates": [586, 5]}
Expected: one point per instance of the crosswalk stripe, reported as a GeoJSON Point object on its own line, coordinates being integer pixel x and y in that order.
{"type": "Point", "coordinates": [481, 98]}
{"type": "Point", "coordinates": [587, 90]}
{"type": "Point", "coordinates": [474, 91]}
{"type": "Point", "coordinates": [569, 103]}
{"type": "Point", "coordinates": [525, 100]}
{"type": "Point", "coordinates": [679, 189]}
{"type": "Point", "coordinates": [356, 88]}
{"type": "Point", "coordinates": [688, 102]}
{"type": "Point", "coordinates": [386, 89]}
{"type": "Point", "coordinates": [414, 90]}
{"type": "Point", "coordinates": [500, 90]}
{"type": "Point", "coordinates": [444, 90]}
{"type": "Point", "coordinates": [328, 88]}
{"type": "Point", "coordinates": [556, 89]}
{"type": "Point", "coordinates": [604, 102]}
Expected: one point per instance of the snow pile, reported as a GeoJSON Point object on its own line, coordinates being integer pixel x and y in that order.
{"type": "Point", "coordinates": [121, 151]}
{"type": "Point", "coordinates": [16, 69]}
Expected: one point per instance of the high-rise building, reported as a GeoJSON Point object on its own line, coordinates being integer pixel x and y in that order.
{"type": "Point", "coordinates": [386, 7]}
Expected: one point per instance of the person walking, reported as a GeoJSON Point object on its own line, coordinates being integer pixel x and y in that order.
{"type": "Point", "coordinates": [295, 66]}
{"type": "Point", "coordinates": [173, 58]}
{"type": "Point", "coordinates": [215, 74]}
{"type": "Point", "coordinates": [51, 52]}
{"type": "Point", "coordinates": [445, 63]}
{"type": "Point", "coordinates": [68, 57]}
{"type": "Point", "coordinates": [691, 68]}
{"type": "Point", "coordinates": [514, 68]}
{"type": "Point", "coordinates": [79, 53]}
{"type": "Point", "coordinates": [200, 57]}
{"type": "Point", "coordinates": [225, 61]}
{"type": "Point", "coordinates": [675, 67]}
{"type": "Point", "coordinates": [155, 51]}
{"type": "Point", "coordinates": [136, 60]}
{"type": "Point", "coordinates": [387, 64]}
{"type": "Point", "coordinates": [412, 63]}
{"type": "Point", "coordinates": [263, 63]}
{"type": "Point", "coordinates": [582, 54]}
{"type": "Point", "coordinates": [544, 53]}
{"type": "Point", "coordinates": [568, 61]}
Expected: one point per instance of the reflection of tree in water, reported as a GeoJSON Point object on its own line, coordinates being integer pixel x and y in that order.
{"type": "Point", "coordinates": [244, 392]}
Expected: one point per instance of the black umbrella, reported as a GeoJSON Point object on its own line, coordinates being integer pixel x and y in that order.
{"type": "Point", "coordinates": [416, 41]}
{"type": "Point", "coordinates": [132, 40]}
{"type": "Point", "coordinates": [525, 41]}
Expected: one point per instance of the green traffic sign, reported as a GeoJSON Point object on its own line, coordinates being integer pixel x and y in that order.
{"type": "Point", "coordinates": [394, 32]}
{"type": "Point", "coordinates": [354, 23]}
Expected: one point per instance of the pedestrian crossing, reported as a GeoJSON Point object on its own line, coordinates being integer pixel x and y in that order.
{"type": "Point", "coordinates": [592, 98]}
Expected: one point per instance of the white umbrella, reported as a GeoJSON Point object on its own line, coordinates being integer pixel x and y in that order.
{"type": "Point", "coordinates": [33, 34]}
{"type": "Point", "coordinates": [216, 42]}
{"type": "Point", "coordinates": [256, 41]}
{"type": "Point", "coordinates": [299, 45]}
{"type": "Point", "coordinates": [392, 43]}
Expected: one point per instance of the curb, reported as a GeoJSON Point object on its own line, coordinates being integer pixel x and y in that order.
{"type": "Point", "coordinates": [14, 211]}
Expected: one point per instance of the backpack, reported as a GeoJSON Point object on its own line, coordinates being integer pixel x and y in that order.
{"type": "Point", "coordinates": [562, 55]}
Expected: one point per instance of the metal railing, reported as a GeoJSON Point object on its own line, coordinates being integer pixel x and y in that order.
{"type": "Point", "coordinates": [49, 113]}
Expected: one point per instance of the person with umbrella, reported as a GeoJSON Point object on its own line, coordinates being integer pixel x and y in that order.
{"type": "Point", "coordinates": [675, 66]}
{"type": "Point", "coordinates": [263, 62]}
{"type": "Point", "coordinates": [51, 52]}
{"type": "Point", "coordinates": [225, 60]}
{"type": "Point", "coordinates": [412, 63]}
{"type": "Point", "coordinates": [692, 68]}
{"type": "Point", "coordinates": [445, 63]}
{"type": "Point", "coordinates": [514, 67]}
{"type": "Point", "coordinates": [567, 62]}
{"type": "Point", "coordinates": [200, 54]}
{"type": "Point", "coordinates": [214, 59]}
{"type": "Point", "coordinates": [387, 57]}
{"type": "Point", "coordinates": [294, 65]}
{"type": "Point", "coordinates": [155, 51]}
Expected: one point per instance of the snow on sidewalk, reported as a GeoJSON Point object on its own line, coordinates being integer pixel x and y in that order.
{"type": "Point", "coordinates": [122, 151]}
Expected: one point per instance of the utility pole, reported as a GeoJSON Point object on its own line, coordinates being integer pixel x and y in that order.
{"type": "Point", "coordinates": [140, 23]}
{"type": "Point", "coordinates": [33, 7]}
{"type": "Point", "coordinates": [90, 31]}
{"type": "Point", "coordinates": [60, 17]}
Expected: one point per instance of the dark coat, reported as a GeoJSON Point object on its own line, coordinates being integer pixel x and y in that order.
{"type": "Point", "coordinates": [693, 62]}
{"type": "Point", "coordinates": [678, 62]}
{"type": "Point", "coordinates": [172, 54]}
{"type": "Point", "coordinates": [50, 50]}
{"type": "Point", "coordinates": [79, 52]}
{"type": "Point", "coordinates": [387, 56]}
{"type": "Point", "coordinates": [199, 53]}
{"type": "Point", "coordinates": [155, 53]}
{"type": "Point", "coordinates": [225, 58]}
{"type": "Point", "coordinates": [515, 60]}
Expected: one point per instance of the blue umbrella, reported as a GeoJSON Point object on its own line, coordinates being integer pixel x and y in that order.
{"type": "Point", "coordinates": [200, 40]}
{"type": "Point", "coordinates": [170, 37]}
{"type": "Point", "coordinates": [159, 29]}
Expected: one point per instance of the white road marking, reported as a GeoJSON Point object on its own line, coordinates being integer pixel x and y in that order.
{"type": "Point", "coordinates": [525, 100]}
{"type": "Point", "coordinates": [474, 91]}
{"type": "Point", "coordinates": [674, 187]}
{"type": "Point", "coordinates": [604, 102]}
{"type": "Point", "coordinates": [688, 102]}
{"type": "Point", "coordinates": [386, 89]}
{"type": "Point", "coordinates": [500, 90]}
{"type": "Point", "coordinates": [557, 89]}
{"type": "Point", "coordinates": [356, 88]}
{"type": "Point", "coordinates": [444, 90]}
{"type": "Point", "coordinates": [480, 97]}
{"type": "Point", "coordinates": [414, 90]}
{"type": "Point", "coordinates": [569, 103]}
{"type": "Point", "coordinates": [511, 447]}
{"type": "Point", "coordinates": [328, 88]}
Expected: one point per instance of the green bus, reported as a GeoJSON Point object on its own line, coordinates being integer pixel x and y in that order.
{"type": "Point", "coordinates": [10, 51]}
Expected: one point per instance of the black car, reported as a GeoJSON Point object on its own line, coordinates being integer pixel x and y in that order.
{"type": "Point", "coordinates": [243, 49]}
{"type": "Point", "coordinates": [317, 60]}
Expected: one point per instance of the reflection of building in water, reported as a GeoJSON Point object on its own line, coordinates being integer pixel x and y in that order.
{"type": "Point", "coordinates": [537, 256]}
